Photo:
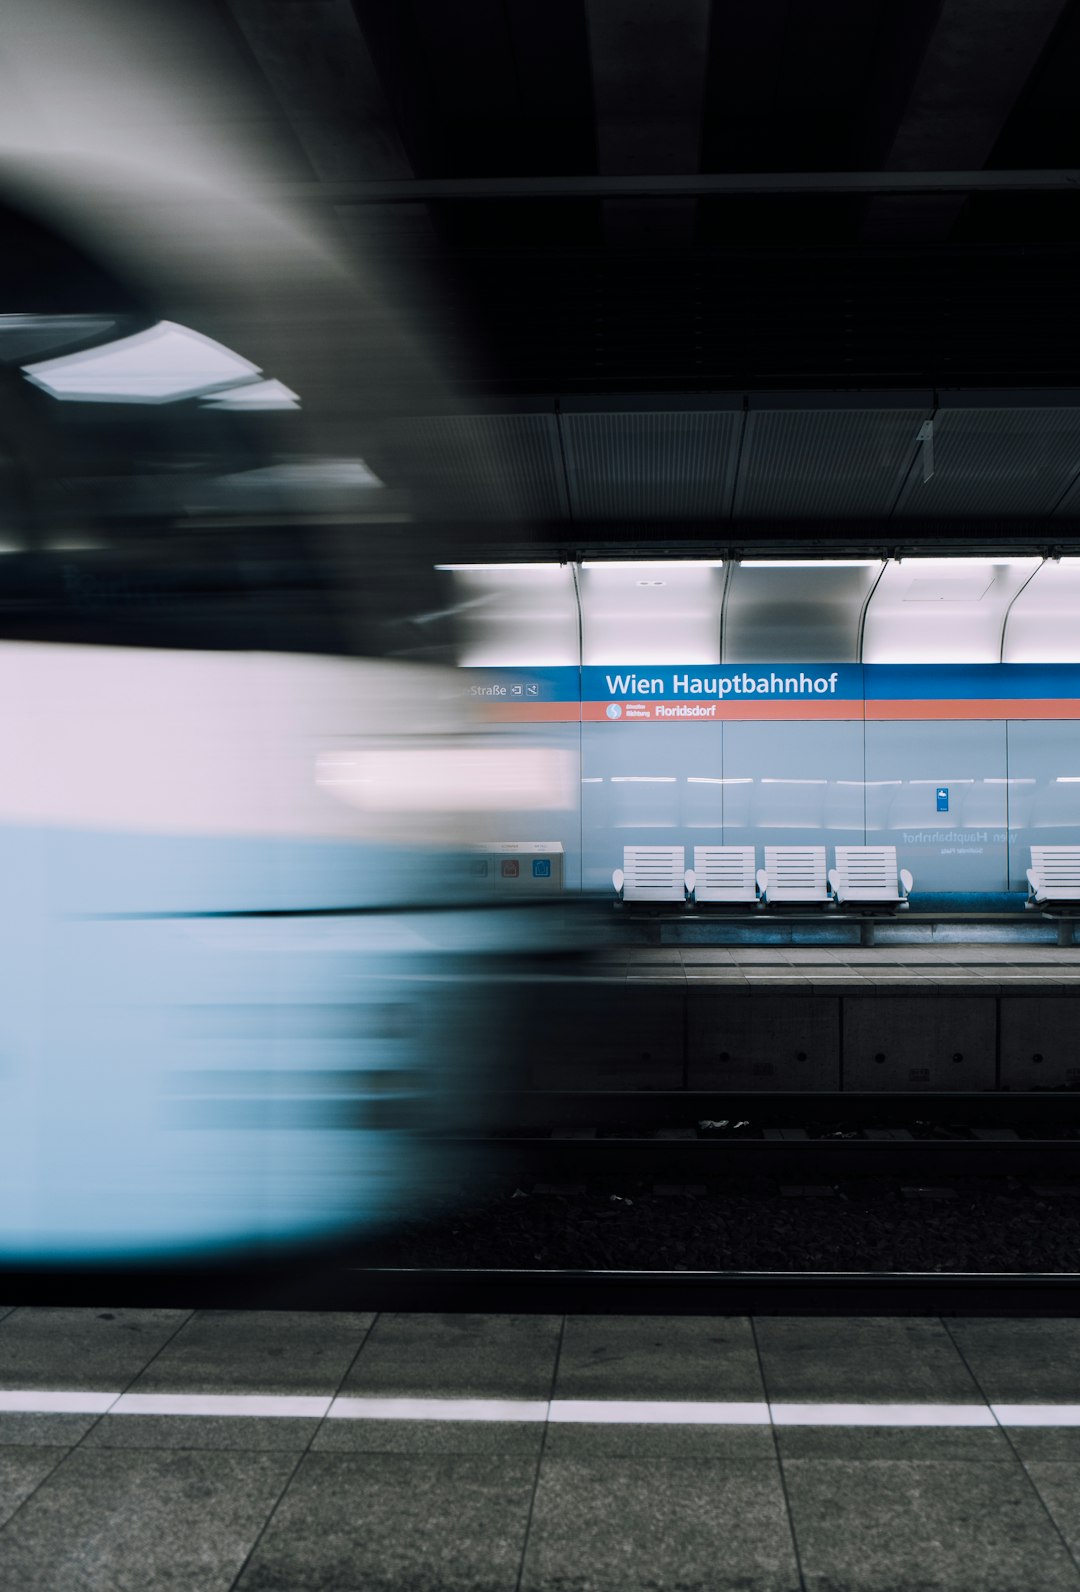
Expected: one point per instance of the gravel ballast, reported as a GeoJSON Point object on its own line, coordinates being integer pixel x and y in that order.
{"type": "Point", "coordinates": [753, 1225]}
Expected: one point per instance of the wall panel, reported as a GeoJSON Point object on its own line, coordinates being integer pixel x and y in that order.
{"type": "Point", "coordinates": [964, 848]}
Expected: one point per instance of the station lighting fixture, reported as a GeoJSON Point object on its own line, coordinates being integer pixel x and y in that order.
{"type": "Point", "coordinates": [159, 365]}
{"type": "Point", "coordinates": [308, 475]}
{"type": "Point", "coordinates": [473, 569]}
{"type": "Point", "coordinates": [652, 563]}
{"type": "Point", "coordinates": [809, 563]}
{"type": "Point", "coordinates": [255, 395]}
{"type": "Point", "coordinates": [162, 364]}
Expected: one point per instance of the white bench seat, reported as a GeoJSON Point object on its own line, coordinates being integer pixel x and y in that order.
{"type": "Point", "coordinates": [794, 874]}
{"type": "Point", "coordinates": [651, 873]}
{"type": "Point", "coordinates": [723, 874]}
{"type": "Point", "coordinates": [867, 876]}
{"type": "Point", "coordinates": [1054, 876]}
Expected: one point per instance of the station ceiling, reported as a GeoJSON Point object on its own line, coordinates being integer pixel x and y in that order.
{"type": "Point", "coordinates": [625, 273]}
{"type": "Point", "coordinates": [691, 263]}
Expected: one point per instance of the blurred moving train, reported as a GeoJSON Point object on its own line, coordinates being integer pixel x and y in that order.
{"type": "Point", "coordinates": [244, 950]}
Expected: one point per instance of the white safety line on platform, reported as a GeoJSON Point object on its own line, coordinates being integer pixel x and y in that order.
{"type": "Point", "coordinates": [35, 1401]}
{"type": "Point", "coordinates": [1037, 1414]}
{"type": "Point", "coordinates": [229, 1404]}
{"type": "Point", "coordinates": [397, 1409]}
{"type": "Point", "coordinates": [588, 1412]}
{"type": "Point", "coordinates": [656, 1412]}
{"type": "Point", "coordinates": [882, 1415]}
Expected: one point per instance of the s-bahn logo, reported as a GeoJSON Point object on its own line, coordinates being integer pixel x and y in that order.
{"type": "Point", "coordinates": [614, 710]}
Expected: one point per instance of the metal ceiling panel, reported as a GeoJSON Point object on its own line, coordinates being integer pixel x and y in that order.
{"type": "Point", "coordinates": [997, 461]}
{"type": "Point", "coordinates": [1043, 625]}
{"type": "Point", "coordinates": [942, 610]}
{"type": "Point", "coordinates": [510, 616]}
{"type": "Point", "coordinates": [503, 466]}
{"type": "Point", "coordinates": [643, 613]}
{"type": "Point", "coordinates": [651, 465]}
{"type": "Point", "coordinates": [802, 614]}
{"type": "Point", "coordinates": [813, 463]}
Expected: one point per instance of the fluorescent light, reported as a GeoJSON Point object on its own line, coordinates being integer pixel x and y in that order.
{"type": "Point", "coordinates": [767, 781]}
{"type": "Point", "coordinates": [1016, 781]}
{"type": "Point", "coordinates": [653, 563]}
{"type": "Point", "coordinates": [701, 779]}
{"type": "Point", "coordinates": [1068, 779]}
{"type": "Point", "coordinates": [809, 563]}
{"type": "Point", "coordinates": [308, 474]}
{"type": "Point", "coordinates": [963, 561]}
{"type": "Point", "coordinates": [255, 395]}
{"type": "Point", "coordinates": [157, 366]}
{"type": "Point", "coordinates": [643, 779]}
{"type": "Point", "coordinates": [941, 782]}
{"type": "Point", "coordinates": [865, 784]}
{"type": "Point", "coordinates": [472, 568]}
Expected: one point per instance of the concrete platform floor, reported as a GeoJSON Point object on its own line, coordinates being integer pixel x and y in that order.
{"type": "Point", "coordinates": [986, 968]}
{"type": "Point", "coordinates": [287, 1452]}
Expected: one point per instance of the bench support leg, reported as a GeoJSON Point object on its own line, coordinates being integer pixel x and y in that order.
{"type": "Point", "coordinates": [866, 932]}
{"type": "Point", "coordinates": [1065, 932]}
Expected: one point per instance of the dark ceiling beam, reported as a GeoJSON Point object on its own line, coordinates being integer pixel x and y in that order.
{"type": "Point", "coordinates": [977, 61]}
{"type": "Point", "coordinates": [649, 62]}
{"type": "Point", "coordinates": [426, 190]}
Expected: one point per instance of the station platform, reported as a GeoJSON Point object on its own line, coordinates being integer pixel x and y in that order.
{"type": "Point", "coordinates": [942, 1018]}
{"type": "Point", "coordinates": [993, 969]}
{"type": "Point", "coordinates": [288, 1452]}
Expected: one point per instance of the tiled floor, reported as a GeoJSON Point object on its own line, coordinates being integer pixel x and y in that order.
{"type": "Point", "coordinates": [166, 1450]}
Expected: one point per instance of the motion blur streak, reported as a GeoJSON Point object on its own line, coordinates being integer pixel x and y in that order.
{"type": "Point", "coordinates": [173, 1075]}
{"type": "Point", "coordinates": [231, 1001]}
{"type": "Point", "coordinates": [467, 778]}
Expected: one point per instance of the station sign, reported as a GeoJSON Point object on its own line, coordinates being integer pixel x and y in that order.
{"type": "Point", "coordinates": [697, 694]}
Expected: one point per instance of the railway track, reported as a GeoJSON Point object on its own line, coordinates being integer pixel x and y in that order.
{"type": "Point", "coordinates": [556, 1290]}
{"type": "Point", "coordinates": [575, 1137]}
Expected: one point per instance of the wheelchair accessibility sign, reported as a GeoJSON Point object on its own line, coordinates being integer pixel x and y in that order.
{"type": "Point", "coordinates": [943, 798]}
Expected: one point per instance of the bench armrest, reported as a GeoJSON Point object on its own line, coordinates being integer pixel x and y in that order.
{"type": "Point", "coordinates": [690, 881]}
{"type": "Point", "coordinates": [618, 879]}
{"type": "Point", "coordinates": [834, 882]}
{"type": "Point", "coordinates": [762, 881]}
{"type": "Point", "coordinates": [906, 880]}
